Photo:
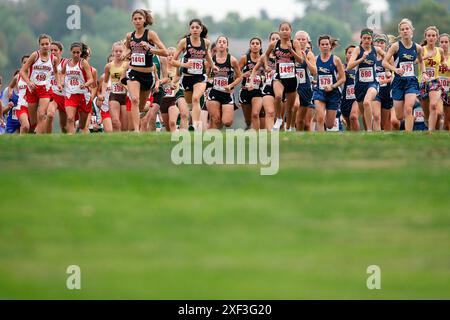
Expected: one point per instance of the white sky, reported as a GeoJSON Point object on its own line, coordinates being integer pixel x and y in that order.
{"type": "Point", "coordinates": [287, 9]}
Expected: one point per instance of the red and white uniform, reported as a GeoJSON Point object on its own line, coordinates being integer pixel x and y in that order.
{"type": "Point", "coordinates": [57, 95]}
{"type": "Point", "coordinates": [104, 109]}
{"type": "Point", "coordinates": [22, 104]}
{"type": "Point", "coordinates": [40, 74]}
{"type": "Point", "coordinates": [76, 96]}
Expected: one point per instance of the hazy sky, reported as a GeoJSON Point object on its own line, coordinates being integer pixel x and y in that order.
{"type": "Point", "coordinates": [287, 9]}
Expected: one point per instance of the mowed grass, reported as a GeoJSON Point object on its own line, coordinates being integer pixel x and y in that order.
{"type": "Point", "coordinates": [142, 228]}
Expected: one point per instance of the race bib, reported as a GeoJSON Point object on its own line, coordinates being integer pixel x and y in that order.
{"type": "Point", "coordinates": [169, 91]}
{"type": "Point", "coordinates": [220, 83]}
{"type": "Point", "coordinates": [269, 78]}
{"type": "Point", "coordinates": [325, 80]}
{"type": "Point", "coordinates": [419, 115]}
{"type": "Point", "coordinates": [118, 88]}
{"type": "Point", "coordinates": [301, 75]}
{"type": "Point", "coordinates": [138, 59]}
{"type": "Point", "coordinates": [287, 70]}
{"type": "Point", "coordinates": [408, 67]}
{"type": "Point", "coordinates": [431, 72]}
{"type": "Point", "coordinates": [382, 77]}
{"type": "Point", "coordinates": [40, 78]}
{"type": "Point", "coordinates": [256, 82]}
{"type": "Point", "coordinates": [350, 92]}
{"type": "Point", "coordinates": [74, 83]}
{"type": "Point", "coordinates": [366, 75]}
{"type": "Point", "coordinates": [197, 67]}
{"type": "Point", "coordinates": [444, 83]}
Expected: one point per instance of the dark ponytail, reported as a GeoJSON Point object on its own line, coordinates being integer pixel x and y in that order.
{"type": "Point", "coordinates": [204, 32]}
{"type": "Point", "coordinates": [147, 14]}
{"type": "Point", "coordinates": [84, 49]}
{"type": "Point", "coordinates": [260, 42]}
{"type": "Point", "coordinates": [333, 42]}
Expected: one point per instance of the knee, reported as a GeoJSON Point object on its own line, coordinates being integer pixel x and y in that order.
{"type": "Point", "coordinates": [270, 114]}
{"type": "Point", "coordinates": [255, 115]}
{"type": "Point", "coordinates": [320, 118]}
{"type": "Point", "coordinates": [367, 104]}
{"type": "Point", "coordinates": [116, 122]}
{"type": "Point", "coordinates": [408, 110]}
{"type": "Point", "coordinates": [353, 117]}
{"type": "Point", "coordinates": [172, 123]}
{"type": "Point", "coordinates": [50, 114]}
{"type": "Point", "coordinates": [377, 117]}
{"type": "Point", "coordinates": [195, 99]}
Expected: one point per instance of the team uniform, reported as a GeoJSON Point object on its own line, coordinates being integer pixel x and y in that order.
{"type": "Point", "coordinates": [118, 91]}
{"type": "Point", "coordinates": [40, 74]}
{"type": "Point", "coordinates": [75, 96]}
{"type": "Point", "coordinates": [432, 70]}
{"type": "Point", "coordinates": [140, 58]}
{"type": "Point", "coordinates": [57, 95]}
{"type": "Point", "coordinates": [171, 95]}
{"type": "Point", "coordinates": [285, 68]}
{"type": "Point", "coordinates": [221, 79]}
{"type": "Point", "coordinates": [197, 73]}
{"type": "Point", "coordinates": [267, 89]}
{"type": "Point", "coordinates": [348, 94]}
{"type": "Point", "coordinates": [407, 83]}
{"type": "Point", "coordinates": [384, 94]}
{"type": "Point", "coordinates": [158, 96]}
{"type": "Point", "coordinates": [366, 74]}
{"type": "Point", "coordinates": [327, 75]}
{"type": "Point", "coordinates": [246, 96]}
{"type": "Point", "coordinates": [12, 122]}
{"type": "Point", "coordinates": [304, 88]}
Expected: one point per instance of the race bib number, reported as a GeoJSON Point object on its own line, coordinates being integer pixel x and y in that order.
{"type": "Point", "coordinates": [138, 59]}
{"type": "Point", "coordinates": [169, 91]}
{"type": "Point", "coordinates": [220, 83]}
{"type": "Point", "coordinates": [431, 72]}
{"type": "Point", "coordinates": [419, 115]}
{"type": "Point", "coordinates": [197, 66]}
{"type": "Point", "coordinates": [287, 70]}
{"type": "Point", "coordinates": [444, 83]}
{"type": "Point", "coordinates": [74, 82]}
{"type": "Point", "coordinates": [366, 75]}
{"type": "Point", "coordinates": [41, 77]}
{"type": "Point", "coordinates": [269, 78]}
{"type": "Point", "coordinates": [256, 82]}
{"type": "Point", "coordinates": [408, 67]}
{"type": "Point", "coordinates": [301, 75]}
{"type": "Point", "coordinates": [325, 80]}
{"type": "Point", "coordinates": [118, 88]}
{"type": "Point", "coordinates": [382, 77]}
{"type": "Point", "coordinates": [350, 92]}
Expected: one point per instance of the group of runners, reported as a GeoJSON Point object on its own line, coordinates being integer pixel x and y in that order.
{"type": "Point", "coordinates": [385, 83]}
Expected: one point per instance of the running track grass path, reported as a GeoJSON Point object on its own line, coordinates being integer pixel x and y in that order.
{"type": "Point", "coordinates": [142, 228]}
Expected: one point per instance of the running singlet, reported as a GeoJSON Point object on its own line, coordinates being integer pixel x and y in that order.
{"type": "Point", "coordinates": [139, 56]}
{"type": "Point", "coordinates": [248, 67]}
{"type": "Point", "coordinates": [405, 58]}
{"type": "Point", "coordinates": [326, 72]}
{"type": "Point", "coordinates": [22, 87]}
{"type": "Point", "coordinates": [115, 75]}
{"type": "Point", "coordinates": [272, 64]}
{"type": "Point", "coordinates": [285, 62]}
{"type": "Point", "coordinates": [365, 71]}
{"type": "Point", "coordinates": [75, 77]}
{"type": "Point", "coordinates": [41, 71]}
{"type": "Point", "coordinates": [431, 65]}
{"type": "Point", "coordinates": [381, 74]}
{"type": "Point", "coordinates": [444, 75]}
{"type": "Point", "coordinates": [196, 55]}
{"type": "Point", "coordinates": [224, 76]}
{"type": "Point", "coordinates": [53, 81]}
{"type": "Point", "coordinates": [349, 86]}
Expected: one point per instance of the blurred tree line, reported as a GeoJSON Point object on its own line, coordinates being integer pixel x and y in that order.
{"type": "Point", "coordinates": [106, 21]}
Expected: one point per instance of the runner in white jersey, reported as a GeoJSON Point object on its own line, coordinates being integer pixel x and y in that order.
{"type": "Point", "coordinates": [102, 102]}
{"type": "Point", "coordinates": [77, 80]}
{"type": "Point", "coordinates": [37, 74]}
{"type": "Point", "coordinates": [57, 101]}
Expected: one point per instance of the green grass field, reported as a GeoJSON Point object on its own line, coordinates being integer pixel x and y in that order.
{"type": "Point", "coordinates": [142, 228]}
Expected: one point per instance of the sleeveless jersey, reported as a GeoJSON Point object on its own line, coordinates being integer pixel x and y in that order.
{"type": "Point", "coordinates": [197, 56]}
{"type": "Point", "coordinates": [272, 64]}
{"type": "Point", "coordinates": [405, 59]}
{"type": "Point", "coordinates": [248, 67]}
{"type": "Point", "coordinates": [365, 71]}
{"type": "Point", "coordinates": [224, 76]}
{"type": "Point", "coordinates": [22, 88]}
{"type": "Point", "coordinates": [349, 86]}
{"type": "Point", "coordinates": [326, 72]}
{"type": "Point", "coordinates": [75, 77]}
{"type": "Point", "coordinates": [303, 74]}
{"type": "Point", "coordinates": [53, 80]}
{"type": "Point", "coordinates": [431, 65]}
{"type": "Point", "coordinates": [444, 75]}
{"type": "Point", "coordinates": [41, 71]}
{"type": "Point", "coordinates": [139, 56]}
{"type": "Point", "coordinates": [381, 75]}
{"type": "Point", "coordinates": [115, 76]}
{"type": "Point", "coordinates": [285, 61]}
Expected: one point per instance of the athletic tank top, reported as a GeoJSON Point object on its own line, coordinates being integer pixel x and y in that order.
{"type": "Point", "coordinates": [139, 56]}
{"type": "Point", "coordinates": [326, 72]}
{"type": "Point", "coordinates": [53, 80]}
{"type": "Point", "coordinates": [170, 93]}
{"type": "Point", "coordinates": [431, 65]}
{"type": "Point", "coordinates": [444, 75]}
{"type": "Point", "coordinates": [115, 76]}
{"type": "Point", "coordinates": [349, 86]}
{"type": "Point", "coordinates": [75, 77]}
{"type": "Point", "coordinates": [285, 62]}
{"type": "Point", "coordinates": [225, 75]}
{"type": "Point", "coordinates": [157, 64]}
{"type": "Point", "coordinates": [41, 71]}
{"type": "Point", "coordinates": [405, 59]}
{"type": "Point", "coordinates": [22, 88]}
{"type": "Point", "coordinates": [303, 74]}
{"type": "Point", "coordinates": [197, 56]}
{"type": "Point", "coordinates": [365, 71]}
{"type": "Point", "coordinates": [248, 67]}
